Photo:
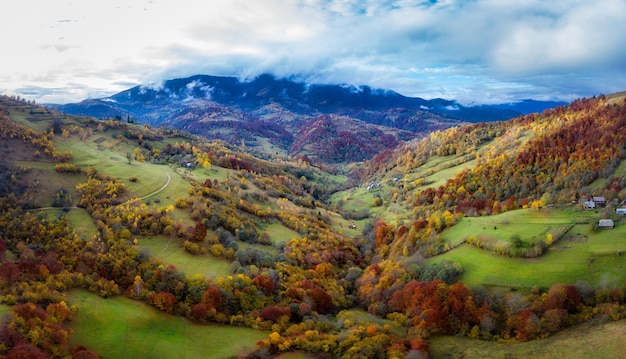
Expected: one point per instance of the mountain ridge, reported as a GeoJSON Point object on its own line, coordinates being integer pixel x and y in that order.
{"type": "Point", "coordinates": [207, 105]}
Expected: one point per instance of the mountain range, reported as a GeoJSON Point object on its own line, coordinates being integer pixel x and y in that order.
{"type": "Point", "coordinates": [325, 123]}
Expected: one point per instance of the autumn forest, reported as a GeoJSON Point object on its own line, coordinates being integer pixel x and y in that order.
{"type": "Point", "coordinates": [364, 260]}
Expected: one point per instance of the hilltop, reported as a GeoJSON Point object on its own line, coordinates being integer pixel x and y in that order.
{"type": "Point", "coordinates": [471, 231]}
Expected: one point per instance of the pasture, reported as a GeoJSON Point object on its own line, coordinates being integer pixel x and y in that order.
{"type": "Point", "coordinates": [81, 222]}
{"type": "Point", "coordinates": [589, 340]}
{"type": "Point", "coordinates": [123, 328]}
{"type": "Point", "coordinates": [170, 251]}
{"type": "Point", "coordinates": [580, 254]}
{"type": "Point", "coordinates": [529, 224]}
{"type": "Point", "coordinates": [280, 234]}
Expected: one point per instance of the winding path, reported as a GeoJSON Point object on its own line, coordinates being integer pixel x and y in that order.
{"type": "Point", "coordinates": [167, 183]}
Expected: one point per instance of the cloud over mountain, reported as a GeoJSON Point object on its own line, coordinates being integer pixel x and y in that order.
{"type": "Point", "coordinates": [483, 51]}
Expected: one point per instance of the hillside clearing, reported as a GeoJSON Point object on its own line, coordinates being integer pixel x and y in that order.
{"type": "Point", "coordinates": [123, 328]}
{"type": "Point", "coordinates": [591, 340]}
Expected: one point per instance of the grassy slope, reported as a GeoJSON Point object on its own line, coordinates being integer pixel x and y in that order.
{"type": "Point", "coordinates": [122, 328]}
{"type": "Point", "coordinates": [81, 222]}
{"type": "Point", "coordinates": [566, 264]}
{"type": "Point", "coordinates": [589, 340]}
{"type": "Point", "coordinates": [170, 251]}
{"type": "Point", "coordinates": [280, 234]}
{"type": "Point", "coordinates": [529, 224]}
{"type": "Point", "coordinates": [580, 254]}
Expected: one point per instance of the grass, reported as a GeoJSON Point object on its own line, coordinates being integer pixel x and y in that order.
{"type": "Point", "coordinates": [586, 341]}
{"type": "Point", "coordinates": [213, 172]}
{"type": "Point", "coordinates": [109, 156]}
{"type": "Point", "coordinates": [38, 122]}
{"type": "Point", "coordinates": [270, 249]}
{"type": "Point", "coordinates": [81, 222]}
{"type": "Point", "coordinates": [581, 254]}
{"type": "Point", "coordinates": [342, 225]}
{"type": "Point", "coordinates": [529, 224]}
{"type": "Point", "coordinates": [112, 161]}
{"type": "Point", "coordinates": [280, 234]}
{"type": "Point", "coordinates": [122, 328]}
{"type": "Point", "coordinates": [440, 176]}
{"type": "Point", "coordinates": [170, 251]}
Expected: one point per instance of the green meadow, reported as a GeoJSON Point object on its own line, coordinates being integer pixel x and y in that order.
{"type": "Point", "coordinates": [123, 328]}
{"type": "Point", "coordinates": [442, 173]}
{"type": "Point", "coordinates": [591, 340]}
{"type": "Point", "coordinates": [529, 224]}
{"type": "Point", "coordinates": [81, 222]}
{"type": "Point", "coordinates": [170, 251]}
{"type": "Point", "coordinates": [580, 254]}
{"type": "Point", "coordinates": [280, 234]}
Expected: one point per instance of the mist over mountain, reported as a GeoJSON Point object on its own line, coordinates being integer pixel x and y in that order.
{"type": "Point", "coordinates": [283, 116]}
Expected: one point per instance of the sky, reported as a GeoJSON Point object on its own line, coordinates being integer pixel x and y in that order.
{"type": "Point", "coordinates": [475, 51]}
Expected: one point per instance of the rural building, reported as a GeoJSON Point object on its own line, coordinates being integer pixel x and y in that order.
{"type": "Point", "coordinates": [606, 224]}
{"type": "Point", "coordinates": [620, 211]}
{"type": "Point", "coordinates": [599, 201]}
{"type": "Point", "coordinates": [589, 204]}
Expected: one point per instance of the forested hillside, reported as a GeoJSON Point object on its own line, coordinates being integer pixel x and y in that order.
{"type": "Point", "coordinates": [312, 260]}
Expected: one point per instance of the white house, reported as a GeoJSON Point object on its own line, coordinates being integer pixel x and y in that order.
{"type": "Point", "coordinates": [620, 211]}
{"type": "Point", "coordinates": [606, 224]}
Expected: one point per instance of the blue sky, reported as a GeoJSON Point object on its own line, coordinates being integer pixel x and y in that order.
{"type": "Point", "coordinates": [478, 51]}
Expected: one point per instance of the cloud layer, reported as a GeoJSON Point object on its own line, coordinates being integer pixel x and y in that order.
{"type": "Point", "coordinates": [480, 51]}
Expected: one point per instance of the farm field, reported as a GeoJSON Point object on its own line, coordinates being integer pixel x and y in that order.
{"type": "Point", "coordinates": [586, 341]}
{"type": "Point", "coordinates": [123, 328]}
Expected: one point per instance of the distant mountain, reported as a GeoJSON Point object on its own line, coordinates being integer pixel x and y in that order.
{"type": "Point", "coordinates": [529, 106]}
{"type": "Point", "coordinates": [279, 115]}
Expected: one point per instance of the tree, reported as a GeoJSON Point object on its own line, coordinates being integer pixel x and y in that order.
{"type": "Point", "coordinates": [164, 301]}
{"type": "Point", "coordinates": [212, 298]}
{"type": "Point", "coordinates": [200, 232]}
{"type": "Point", "coordinates": [516, 240]}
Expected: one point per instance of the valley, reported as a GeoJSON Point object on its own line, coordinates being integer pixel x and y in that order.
{"type": "Point", "coordinates": [474, 231]}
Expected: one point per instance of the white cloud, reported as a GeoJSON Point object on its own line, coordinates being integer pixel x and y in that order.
{"type": "Point", "coordinates": [479, 51]}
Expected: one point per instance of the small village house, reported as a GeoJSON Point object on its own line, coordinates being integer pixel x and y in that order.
{"type": "Point", "coordinates": [606, 224]}
{"type": "Point", "coordinates": [599, 201]}
{"type": "Point", "coordinates": [588, 205]}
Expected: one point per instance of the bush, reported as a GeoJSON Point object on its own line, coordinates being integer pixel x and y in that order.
{"type": "Point", "coordinates": [191, 247]}
{"type": "Point", "coordinates": [67, 168]}
{"type": "Point", "coordinates": [516, 240]}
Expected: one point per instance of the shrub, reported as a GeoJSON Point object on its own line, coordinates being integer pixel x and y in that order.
{"type": "Point", "coordinates": [192, 248]}
{"type": "Point", "coordinates": [67, 168]}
